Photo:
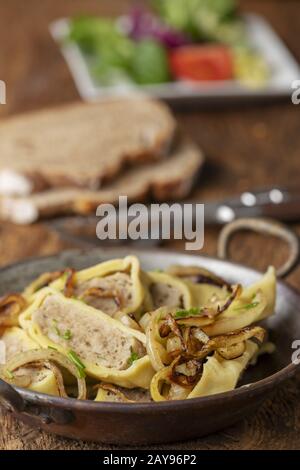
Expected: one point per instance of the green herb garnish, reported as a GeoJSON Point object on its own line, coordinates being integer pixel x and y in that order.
{"type": "Point", "coordinates": [67, 335]}
{"type": "Point", "coordinates": [248, 306]}
{"type": "Point", "coordinates": [133, 357]}
{"type": "Point", "coordinates": [51, 347]}
{"type": "Point", "coordinates": [9, 374]}
{"type": "Point", "coordinates": [76, 360]}
{"type": "Point", "coordinates": [188, 313]}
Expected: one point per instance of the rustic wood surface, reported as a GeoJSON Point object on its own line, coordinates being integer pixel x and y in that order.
{"type": "Point", "coordinates": [246, 146]}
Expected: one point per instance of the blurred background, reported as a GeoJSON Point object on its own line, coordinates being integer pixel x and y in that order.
{"type": "Point", "coordinates": [248, 143]}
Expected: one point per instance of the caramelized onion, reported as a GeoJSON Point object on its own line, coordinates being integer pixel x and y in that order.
{"type": "Point", "coordinates": [21, 378]}
{"type": "Point", "coordinates": [197, 321]}
{"type": "Point", "coordinates": [225, 342]}
{"type": "Point", "coordinates": [11, 305]}
{"type": "Point", "coordinates": [177, 392]}
{"type": "Point", "coordinates": [145, 320]}
{"type": "Point", "coordinates": [207, 315]}
{"type": "Point", "coordinates": [238, 320]}
{"type": "Point", "coordinates": [232, 352]}
{"type": "Point", "coordinates": [173, 346]}
{"type": "Point", "coordinates": [170, 325]}
{"type": "Point", "coordinates": [22, 381]}
{"type": "Point", "coordinates": [44, 356]}
{"type": "Point", "coordinates": [103, 294]}
{"type": "Point", "coordinates": [185, 372]}
{"type": "Point", "coordinates": [217, 307]}
{"type": "Point", "coordinates": [127, 320]}
{"type": "Point", "coordinates": [58, 378]}
{"type": "Point", "coordinates": [155, 343]}
{"type": "Point", "coordinates": [199, 275]}
{"type": "Point", "coordinates": [159, 380]}
{"type": "Point", "coordinates": [42, 281]}
{"type": "Point", "coordinates": [70, 282]}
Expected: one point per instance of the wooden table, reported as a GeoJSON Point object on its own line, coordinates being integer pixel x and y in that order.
{"type": "Point", "coordinates": [246, 146]}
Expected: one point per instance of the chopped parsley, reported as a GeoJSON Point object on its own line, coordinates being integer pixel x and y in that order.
{"type": "Point", "coordinates": [188, 313]}
{"type": "Point", "coordinates": [248, 306]}
{"type": "Point", "coordinates": [79, 299]}
{"type": "Point", "coordinates": [51, 347]}
{"type": "Point", "coordinates": [9, 374]}
{"type": "Point", "coordinates": [67, 335]}
{"type": "Point", "coordinates": [76, 360]}
{"type": "Point", "coordinates": [133, 357]}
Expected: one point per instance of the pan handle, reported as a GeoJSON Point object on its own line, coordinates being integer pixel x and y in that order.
{"type": "Point", "coordinates": [13, 402]}
{"type": "Point", "coordinates": [10, 399]}
{"type": "Point", "coordinates": [266, 227]}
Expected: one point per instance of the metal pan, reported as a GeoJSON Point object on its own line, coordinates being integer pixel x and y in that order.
{"type": "Point", "coordinates": [146, 423]}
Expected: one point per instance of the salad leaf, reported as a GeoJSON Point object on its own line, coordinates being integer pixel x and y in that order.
{"type": "Point", "coordinates": [199, 18]}
{"type": "Point", "coordinates": [141, 24]}
{"type": "Point", "coordinates": [109, 75]}
{"type": "Point", "coordinates": [232, 33]}
{"type": "Point", "coordinates": [177, 13]}
{"type": "Point", "coordinates": [110, 50]}
{"type": "Point", "coordinates": [85, 31]}
{"type": "Point", "coordinates": [101, 37]}
{"type": "Point", "coordinates": [150, 63]}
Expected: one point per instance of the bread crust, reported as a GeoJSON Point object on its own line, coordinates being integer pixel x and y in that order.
{"type": "Point", "coordinates": [170, 179]}
{"type": "Point", "coordinates": [84, 145]}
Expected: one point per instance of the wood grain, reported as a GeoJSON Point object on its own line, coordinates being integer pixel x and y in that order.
{"type": "Point", "coordinates": [246, 146]}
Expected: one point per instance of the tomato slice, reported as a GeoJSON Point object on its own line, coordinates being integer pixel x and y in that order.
{"type": "Point", "coordinates": [202, 63]}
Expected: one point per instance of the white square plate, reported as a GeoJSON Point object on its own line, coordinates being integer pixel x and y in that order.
{"type": "Point", "coordinates": [283, 66]}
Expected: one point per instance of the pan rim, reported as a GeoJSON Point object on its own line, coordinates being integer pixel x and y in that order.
{"type": "Point", "coordinates": [72, 403]}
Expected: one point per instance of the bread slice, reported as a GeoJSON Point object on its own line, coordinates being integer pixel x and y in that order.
{"type": "Point", "coordinates": [172, 178]}
{"type": "Point", "coordinates": [81, 145]}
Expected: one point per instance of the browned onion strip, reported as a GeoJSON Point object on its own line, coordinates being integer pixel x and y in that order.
{"type": "Point", "coordinates": [43, 281]}
{"type": "Point", "coordinates": [199, 276]}
{"type": "Point", "coordinates": [177, 392]}
{"type": "Point", "coordinates": [170, 325]}
{"type": "Point", "coordinates": [194, 338]}
{"type": "Point", "coordinates": [127, 320]}
{"type": "Point", "coordinates": [24, 380]}
{"type": "Point", "coordinates": [155, 344]}
{"type": "Point", "coordinates": [58, 378]}
{"type": "Point", "coordinates": [45, 355]}
{"type": "Point", "coordinates": [103, 294]}
{"type": "Point", "coordinates": [21, 381]}
{"type": "Point", "coordinates": [173, 347]}
{"type": "Point", "coordinates": [235, 337]}
{"type": "Point", "coordinates": [200, 335]}
{"type": "Point", "coordinates": [197, 321]}
{"type": "Point", "coordinates": [112, 389]}
{"type": "Point", "coordinates": [235, 293]}
{"type": "Point", "coordinates": [11, 305]}
{"type": "Point", "coordinates": [185, 372]}
{"type": "Point", "coordinates": [232, 352]}
{"type": "Point", "coordinates": [208, 314]}
{"type": "Point", "coordinates": [225, 342]}
{"type": "Point", "coordinates": [70, 282]}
